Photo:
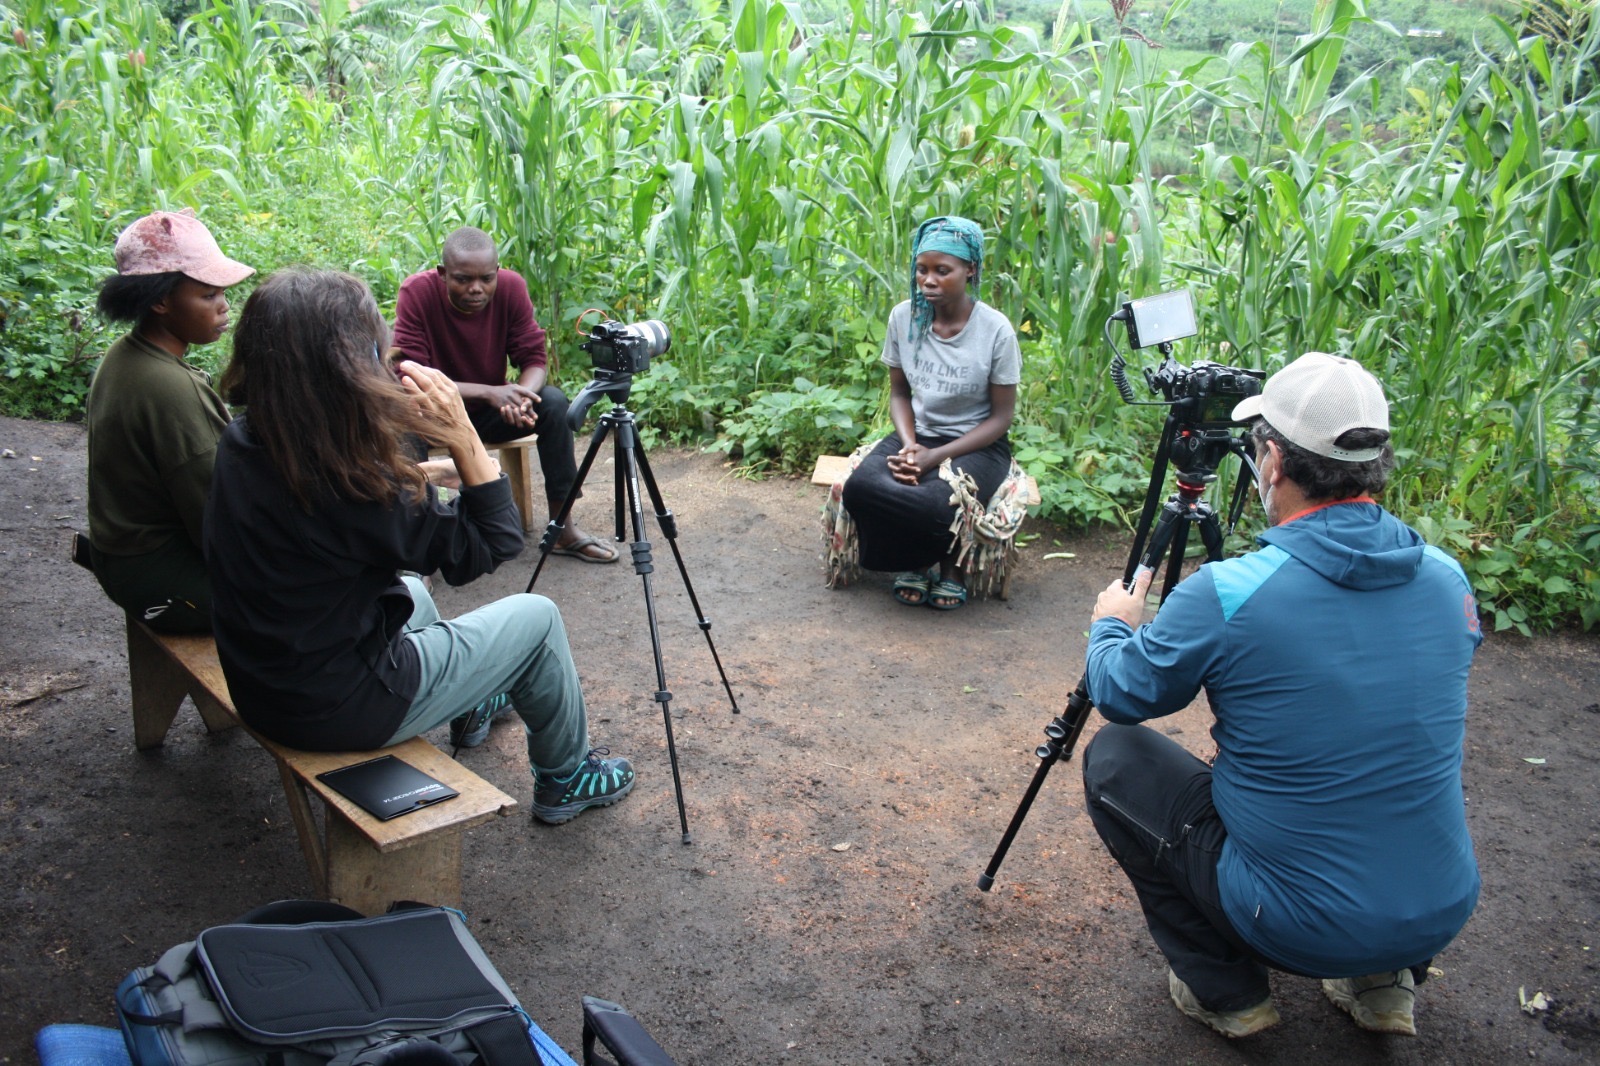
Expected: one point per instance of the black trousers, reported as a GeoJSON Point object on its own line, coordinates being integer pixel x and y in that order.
{"type": "Point", "coordinates": [556, 460]}
{"type": "Point", "coordinates": [167, 589]}
{"type": "Point", "coordinates": [1150, 801]}
{"type": "Point", "coordinates": [907, 527]}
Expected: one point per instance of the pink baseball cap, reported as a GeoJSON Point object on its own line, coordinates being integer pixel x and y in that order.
{"type": "Point", "coordinates": [164, 241]}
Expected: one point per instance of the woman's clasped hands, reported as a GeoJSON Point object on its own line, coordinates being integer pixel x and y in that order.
{"type": "Point", "coordinates": [913, 462]}
{"type": "Point", "coordinates": [440, 404]}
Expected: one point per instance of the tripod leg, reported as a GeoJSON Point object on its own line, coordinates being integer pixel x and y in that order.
{"type": "Point", "coordinates": [1168, 539]}
{"type": "Point", "coordinates": [552, 532]}
{"type": "Point", "coordinates": [1062, 736]}
{"type": "Point", "coordinates": [620, 493]}
{"type": "Point", "coordinates": [1210, 534]}
{"type": "Point", "coordinates": [1160, 537]}
{"type": "Point", "coordinates": [669, 529]}
{"type": "Point", "coordinates": [1180, 545]}
{"type": "Point", "coordinates": [1241, 486]}
{"type": "Point", "coordinates": [627, 465]}
{"type": "Point", "coordinates": [1152, 493]}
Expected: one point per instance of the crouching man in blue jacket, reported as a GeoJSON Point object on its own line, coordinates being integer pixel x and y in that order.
{"type": "Point", "coordinates": [1330, 837]}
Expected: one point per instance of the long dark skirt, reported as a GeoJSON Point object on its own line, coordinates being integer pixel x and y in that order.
{"type": "Point", "coordinates": [907, 527]}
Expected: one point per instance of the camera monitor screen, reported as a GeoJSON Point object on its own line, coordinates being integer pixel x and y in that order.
{"type": "Point", "coordinates": [1160, 319]}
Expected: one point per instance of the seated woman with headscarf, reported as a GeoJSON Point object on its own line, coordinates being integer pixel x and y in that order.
{"type": "Point", "coordinates": [954, 366]}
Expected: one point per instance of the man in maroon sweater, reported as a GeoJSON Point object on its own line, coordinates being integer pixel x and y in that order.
{"type": "Point", "coordinates": [469, 318]}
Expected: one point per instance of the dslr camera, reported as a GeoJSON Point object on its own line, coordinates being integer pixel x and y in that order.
{"type": "Point", "coordinates": [619, 350]}
{"type": "Point", "coordinates": [626, 348]}
{"type": "Point", "coordinates": [1211, 390]}
{"type": "Point", "coordinates": [1201, 397]}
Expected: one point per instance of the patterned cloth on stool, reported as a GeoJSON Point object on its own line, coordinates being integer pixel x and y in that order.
{"type": "Point", "coordinates": [985, 538]}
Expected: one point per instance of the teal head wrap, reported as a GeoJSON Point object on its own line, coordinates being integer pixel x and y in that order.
{"type": "Point", "coordinates": [951, 235]}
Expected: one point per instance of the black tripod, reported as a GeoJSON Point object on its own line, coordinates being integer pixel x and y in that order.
{"type": "Point", "coordinates": [1196, 450]}
{"type": "Point", "coordinates": [631, 467]}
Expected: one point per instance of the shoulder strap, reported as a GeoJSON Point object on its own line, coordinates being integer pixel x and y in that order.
{"type": "Point", "coordinates": [504, 1041]}
{"type": "Point", "coordinates": [188, 998]}
{"type": "Point", "coordinates": [411, 1051]}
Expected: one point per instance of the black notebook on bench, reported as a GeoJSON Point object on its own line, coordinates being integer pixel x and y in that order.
{"type": "Point", "coordinates": [386, 787]}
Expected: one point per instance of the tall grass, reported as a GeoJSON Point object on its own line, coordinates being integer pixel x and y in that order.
{"type": "Point", "coordinates": [753, 178]}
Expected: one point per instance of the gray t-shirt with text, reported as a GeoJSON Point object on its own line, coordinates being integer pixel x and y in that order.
{"type": "Point", "coordinates": [950, 377]}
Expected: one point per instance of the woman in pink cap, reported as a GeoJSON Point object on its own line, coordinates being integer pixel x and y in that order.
{"type": "Point", "coordinates": [154, 420]}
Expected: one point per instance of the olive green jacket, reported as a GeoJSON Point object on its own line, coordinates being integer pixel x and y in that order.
{"type": "Point", "coordinates": [154, 422]}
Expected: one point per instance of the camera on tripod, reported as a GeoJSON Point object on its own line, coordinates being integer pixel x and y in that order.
{"type": "Point", "coordinates": [1202, 396]}
{"type": "Point", "coordinates": [619, 350]}
{"type": "Point", "coordinates": [1210, 390]}
{"type": "Point", "coordinates": [626, 348]}
{"type": "Point", "coordinates": [1198, 436]}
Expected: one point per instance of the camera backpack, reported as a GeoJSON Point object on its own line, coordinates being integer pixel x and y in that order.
{"type": "Point", "coordinates": [303, 983]}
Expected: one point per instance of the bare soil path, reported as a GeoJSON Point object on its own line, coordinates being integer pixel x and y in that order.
{"type": "Point", "coordinates": [827, 910]}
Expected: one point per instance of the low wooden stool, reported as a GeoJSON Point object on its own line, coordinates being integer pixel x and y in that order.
{"type": "Point", "coordinates": [841, 559]}
{"type": "Point", "coordinates": [515, 459]}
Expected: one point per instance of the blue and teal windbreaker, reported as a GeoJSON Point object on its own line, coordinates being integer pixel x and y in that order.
{"type": "Point", "coordinates": [1335, 661]}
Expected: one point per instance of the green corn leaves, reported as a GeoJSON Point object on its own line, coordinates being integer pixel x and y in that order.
{"type": "Point", "coordinates": [752, 174]}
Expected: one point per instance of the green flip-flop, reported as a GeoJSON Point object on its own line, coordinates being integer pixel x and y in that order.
{"type": "Point", "coordinates": [911, 588]}
{"type": "Point", "coordinates": [946, 590]}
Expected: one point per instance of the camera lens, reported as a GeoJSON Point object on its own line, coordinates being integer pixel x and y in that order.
{"type": "Point", "coordinates": [655, 335]}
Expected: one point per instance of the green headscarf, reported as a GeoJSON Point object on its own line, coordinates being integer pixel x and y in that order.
{"type": "Point", "coordinates": [951, 235]}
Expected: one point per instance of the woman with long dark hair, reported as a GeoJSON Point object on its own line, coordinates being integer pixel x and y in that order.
{"type": "Point", "coordinates": [154, 420]}
{"type": "Point", "coordinates": [316, 509]}
{"type": "Point", "coordinates": [954, 366]}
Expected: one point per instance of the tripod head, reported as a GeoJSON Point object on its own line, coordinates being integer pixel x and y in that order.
{"type": "Point", "coordinates": [613, 383]}
{"type": "Point", "coordinates": [1199, 433]}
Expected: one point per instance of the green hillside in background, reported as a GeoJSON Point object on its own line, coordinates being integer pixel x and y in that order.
{"type": "Point", "coordinates": [1189, 30]}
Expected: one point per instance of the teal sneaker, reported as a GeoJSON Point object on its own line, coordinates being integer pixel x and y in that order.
{"type": "Point", "coordinates": [471, 729]}
{"type": "Point", "coordinates": [597, 782]}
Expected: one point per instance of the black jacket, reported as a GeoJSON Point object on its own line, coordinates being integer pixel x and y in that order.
{"type": "Point", "coordinates": [308, 607]}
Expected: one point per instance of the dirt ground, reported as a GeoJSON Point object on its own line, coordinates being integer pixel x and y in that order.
{"type": "Point", "coordinates": [827, 910]}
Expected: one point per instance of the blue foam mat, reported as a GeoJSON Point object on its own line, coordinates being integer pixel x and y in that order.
{"type": "Point", "coordinates": [80, 1045]}
{"type": "Point", "coordinates": [94, 1045]}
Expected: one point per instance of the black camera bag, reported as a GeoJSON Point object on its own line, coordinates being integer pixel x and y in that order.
{"type": "Point", "coordinates": [304, 983]}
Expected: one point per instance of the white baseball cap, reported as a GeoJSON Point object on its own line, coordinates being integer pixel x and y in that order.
{"type": "Point", "coordinates": [1317, 399]}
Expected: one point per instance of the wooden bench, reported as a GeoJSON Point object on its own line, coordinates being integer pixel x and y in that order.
{"type": "Point", "coordinates": [515, 459]}
{"type": "Point", "coordinates": [355, 859]}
